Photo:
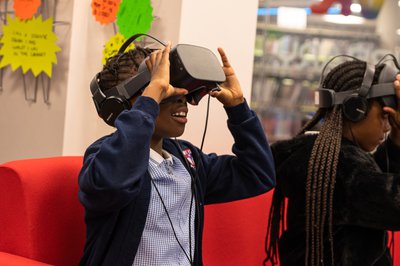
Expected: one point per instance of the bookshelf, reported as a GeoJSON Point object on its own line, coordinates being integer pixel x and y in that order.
{"type": "Point", "coordinates": [288, 64]}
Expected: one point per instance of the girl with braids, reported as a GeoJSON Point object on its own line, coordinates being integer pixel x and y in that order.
{"type": "Point", "coordinates": [342, 185]}
{"type": "Point", "coordinates": [143, 190]}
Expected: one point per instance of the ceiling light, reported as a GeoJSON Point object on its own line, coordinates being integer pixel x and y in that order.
{"type": "Point", "coordinates": [291, 17]}
{"type": "Point", "coordinates": [340, 19]}
{"type": "Point", "coordinates": [355, 8]}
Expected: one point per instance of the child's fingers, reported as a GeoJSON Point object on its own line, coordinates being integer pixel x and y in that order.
{"type": "Point", "coordinates": [149, 64]}
{"type": "Point", "coordinates": [180, 91]}
{"type": "Point", "coordinates": [224, 58]}
{"type": "Point", "coordinates": [165, 52]}
{"type": "Point", "coordinates": [397, 88]}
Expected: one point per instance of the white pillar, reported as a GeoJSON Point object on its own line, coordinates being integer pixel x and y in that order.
{"type": "Point", "coordinates": [82, 125]}
{"type": "Point", "coordinates": [232, 26]}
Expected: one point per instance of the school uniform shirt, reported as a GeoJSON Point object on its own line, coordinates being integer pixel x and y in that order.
{"type": "Point", "coordinates": [168, 234]}
{"type": "Point", "coordinates": [115, 185]}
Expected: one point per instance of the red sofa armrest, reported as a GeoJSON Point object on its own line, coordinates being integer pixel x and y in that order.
{"type": "Point", "coordinates": [7, 259]}
{"type": "Point", "coordinates": [41, 217]}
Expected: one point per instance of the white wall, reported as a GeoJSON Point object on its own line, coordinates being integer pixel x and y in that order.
{"type": "Point", "coordinates": [82, 124]}
{"type": "Point", "coordinates": [232, 26]}
{"type": "Point", "coordinates": [205, 23]}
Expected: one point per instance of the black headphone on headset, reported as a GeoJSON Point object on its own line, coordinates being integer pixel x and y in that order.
{"type": "Point", "coordinates": [355, 105]}
{"type": "Point", "coordinates": [355, 102]}
{"type": "Point", "coordinates": [110, 103]}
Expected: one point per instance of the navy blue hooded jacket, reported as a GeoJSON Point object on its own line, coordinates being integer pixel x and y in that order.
{"type": "Point", "coordinates": [114, 184]}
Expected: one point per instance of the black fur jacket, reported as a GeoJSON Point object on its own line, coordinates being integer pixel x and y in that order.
{"type": "Point", "coordinates": [366, 202]}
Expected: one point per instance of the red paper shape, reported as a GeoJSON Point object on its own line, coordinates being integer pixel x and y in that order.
{"type": "Point", "coordinates": [322, 7]}
{"type": "Point", "coordinates": [105, 10]}
{"type": "Point", "coordinates": [25, 9]}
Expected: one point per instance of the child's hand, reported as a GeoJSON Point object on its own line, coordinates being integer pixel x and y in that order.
{"type": "Point", "coordinates": [231, 93]}
{"type": "Point", "coordinates": [394, 118]}
{"type": "Point", "coordinates": [159, 87]}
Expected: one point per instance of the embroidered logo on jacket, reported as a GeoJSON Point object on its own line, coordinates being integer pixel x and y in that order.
{"type": "Point", "coordinates": [189, 157]}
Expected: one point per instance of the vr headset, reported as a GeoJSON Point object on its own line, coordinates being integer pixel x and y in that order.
{"type": "Point", "coordinates": [192, 67]}
{"type": "Point", "coordinates": [355, 102]}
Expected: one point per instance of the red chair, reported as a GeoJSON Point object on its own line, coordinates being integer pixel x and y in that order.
{"type": "Point", "coordinates": [396, 257]}
{"type": "Point", "coordinates": [234, 232]}
{"type": "Point", "coordinates": [41, 219]}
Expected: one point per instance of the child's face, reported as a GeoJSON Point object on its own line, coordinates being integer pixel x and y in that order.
{"type": "Point", "coordinates": [370, 132]}
{"type": "Point", "coordinates": [172, 119]}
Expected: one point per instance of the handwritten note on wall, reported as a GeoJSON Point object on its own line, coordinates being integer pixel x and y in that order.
{"type": "Point", "coordinates": [29, 44]}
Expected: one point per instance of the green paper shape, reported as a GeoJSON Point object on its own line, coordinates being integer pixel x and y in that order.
{"type": "Point", "coordinates": [134, 16]}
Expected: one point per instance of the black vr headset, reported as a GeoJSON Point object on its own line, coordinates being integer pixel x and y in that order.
{"type": "Point", "coordinates": [192, 67]}
{"type": "Point", "coordinates": [355, 102]}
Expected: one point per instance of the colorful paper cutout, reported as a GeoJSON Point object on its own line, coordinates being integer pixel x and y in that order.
{"type": "Point", "coordinates": [370, 8]}
{"type": "Point", "coordinates": [25, 9]}
{"type": "Point", "coordinates": [322, 7]}
{"type": "Point", "coordinates": [134, 16]}
{"type": "Point", "coordinates": [29, 44]}
{"type": "Point", "coordinates": [105, 10]}
{"type": "Point", "coordinates": [112, 46]}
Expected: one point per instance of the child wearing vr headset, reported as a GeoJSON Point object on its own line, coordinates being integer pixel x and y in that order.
{"type": "Point", "coordinates": [341, 186]}
{"type": "Point", "coordinates": [144, 191]}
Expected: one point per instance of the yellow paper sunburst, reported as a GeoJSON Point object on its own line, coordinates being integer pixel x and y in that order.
{"type": "Point", "coordinates": [112, 46]}
{"type": "Point", "coordinates": [29, 44]}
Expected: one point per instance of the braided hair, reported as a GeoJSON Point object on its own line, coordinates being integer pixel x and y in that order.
{"type": "Point", "coordinates": [321, 172]}
{"type": "Point", "coordinates": [121, 67]}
